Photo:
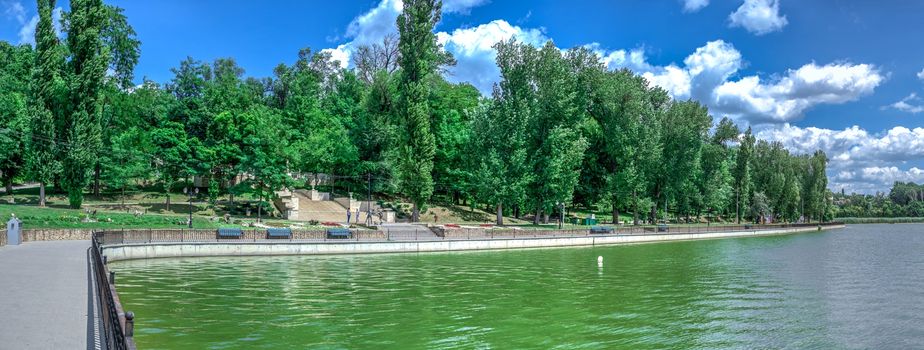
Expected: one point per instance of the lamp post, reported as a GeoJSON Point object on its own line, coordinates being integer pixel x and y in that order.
{"type": "Point", "coordinates": [191, 193]}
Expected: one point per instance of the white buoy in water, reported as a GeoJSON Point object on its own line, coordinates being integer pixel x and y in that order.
{"type": "Point", "coordinates": [600, 261]}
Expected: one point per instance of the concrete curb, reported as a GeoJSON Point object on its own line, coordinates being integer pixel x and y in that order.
{"type": "Point", "coordinates": [117, 252]}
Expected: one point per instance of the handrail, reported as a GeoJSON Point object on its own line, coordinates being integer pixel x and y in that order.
{"type": "Point", "coordinates": [118, 325]}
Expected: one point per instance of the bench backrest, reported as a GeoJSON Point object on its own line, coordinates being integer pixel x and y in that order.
{"type": "Point", "coordinates": [230, 232]}
{"type": "Point", "coordinates": [338, 231]}
{"type": "Point", "coordinates": [601, 229]}
{"type": "Point", "coordinates": [279, 232]}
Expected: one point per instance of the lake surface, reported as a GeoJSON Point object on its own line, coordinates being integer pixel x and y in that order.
{"type": "Point", "coordinates": [856, 288]}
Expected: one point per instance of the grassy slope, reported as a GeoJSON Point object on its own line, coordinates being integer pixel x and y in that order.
{"type": "Point", "coordinates": [111, 214]}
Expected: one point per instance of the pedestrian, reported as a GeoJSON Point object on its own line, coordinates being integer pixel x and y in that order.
{"type": "Point", "coordinates": [348, 216]}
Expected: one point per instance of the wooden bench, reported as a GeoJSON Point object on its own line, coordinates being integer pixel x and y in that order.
{"type": "Point", "coordinates": [339, 233]}
{"type": "Point", "coordinates": [278, 233]}
{"type": "Point", "coordinates": [601, 230]}
{"type": "Point", "coordinates": [229, 233]}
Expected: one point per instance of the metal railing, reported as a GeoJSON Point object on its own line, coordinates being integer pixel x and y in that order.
{"type": "Point", "coordinates": [147, 236]}
{"type": "Point", "coordinates": [118, 325]}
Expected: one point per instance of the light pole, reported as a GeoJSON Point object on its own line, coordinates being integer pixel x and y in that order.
{"type": "Point", "coordinates": [191, 194]}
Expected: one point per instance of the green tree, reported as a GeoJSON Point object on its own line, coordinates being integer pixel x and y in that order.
{"type": "Point", "coordinates": [47, 103]}
{"type": "Point", "coordinates": [264, 152]}
{"type": "Point", "coordinates": [14, 118]}
{"type": "Point", "coordinates": [123, 45]}
{"type": "Point", "coordinates": [449, 104]}
{"type": "Point", "coordinates": [419, 58]}
{"type": "Point", "coordinates": [171, 154]}
{"type": "Point", "coordinates": [742, 173]}
{"type": "Point", "coordinates": [127, 160]}
{"type": "Point", "coordinates": [87, 67]}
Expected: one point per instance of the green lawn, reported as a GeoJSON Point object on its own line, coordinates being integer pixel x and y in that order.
{"type": "Point", "coordinates": [35, 217]}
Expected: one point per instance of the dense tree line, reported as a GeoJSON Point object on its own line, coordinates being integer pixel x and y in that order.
{"type": "Point", "coordinates": [905, 199]}
{"type": "Point", "coordinates": [558, 131]}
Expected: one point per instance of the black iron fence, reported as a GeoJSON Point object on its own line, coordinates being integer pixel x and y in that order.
{"type": "Point", "coordinates": [421, 233]}
{"type": "Point", "coordinates": [118, 325]}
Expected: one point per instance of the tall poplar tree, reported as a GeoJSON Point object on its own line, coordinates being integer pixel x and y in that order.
{"type": "Point", "coordinates": [87, 66]}
{"type": "Point", "coordinates": [419, 58]}
{"type": "Point", "coordinates": [742, 173]}
{"type": "Point", "coordinates": [48, 102]}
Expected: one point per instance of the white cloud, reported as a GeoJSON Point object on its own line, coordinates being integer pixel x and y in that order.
{"type": "Point", "coordinates": [708, 75]}
{"type": "Point", "coordinates": [857, 158]}
{"type": "Point", "coordinates": [711, 65]}
{"type": "Point", "coordinates": [921, 74]}
{"type": "Point", "coordinates": [759, 17]}
{"type": "Point", "coordinates": [15, 10]}
{"type": "Point", "coordinates": [675, 80]}
{"type": "Point", "coordinates": [473, 49]}
{"type": "Point", "coordinates": [374, 25]}
{"type": "Point", "coordinates": [340, 54]}
{"type": "Point", "coordinates": [461, 6]}
{"type": "Point", "coordinates": [873, 179]}
{"type": "Point", "coordinates": [694, 5]}
{"type": "Point", "coordinates": [27, 31]}
{"type": "Point", "coordinates": [787, 98]}
{"type": "Point", "coordinates": [905, 105]}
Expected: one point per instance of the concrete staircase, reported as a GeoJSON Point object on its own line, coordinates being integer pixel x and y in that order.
{"type": "Point", "coordinates": [305, 205]}
{"type": "Point", "coordinates": [322, 211]}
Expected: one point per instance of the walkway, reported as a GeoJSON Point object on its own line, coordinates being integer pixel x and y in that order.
{"type": "Point", "coordinates": [44, 297]}
{"type": "Point", "coordinates": [407, 232]}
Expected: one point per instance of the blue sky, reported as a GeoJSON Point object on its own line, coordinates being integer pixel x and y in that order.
{"type": "Point", "coordinates": [843, 76]}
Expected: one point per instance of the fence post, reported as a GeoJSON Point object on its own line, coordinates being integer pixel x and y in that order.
{"type": "Point", "coordinates": [129, 324]}
{"type": "Point", "coordinates": [112, 277]}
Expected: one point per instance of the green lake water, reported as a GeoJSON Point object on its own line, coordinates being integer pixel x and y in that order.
{"type": "Point", "coordinates": [856, 288]}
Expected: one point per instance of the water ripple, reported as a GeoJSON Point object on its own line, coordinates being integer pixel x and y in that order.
{"type": "Point", "coordinates": [857, 288]}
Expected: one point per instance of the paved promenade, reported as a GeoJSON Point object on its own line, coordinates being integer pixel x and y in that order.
{"type": "Point", "coordinates": [44, 296]}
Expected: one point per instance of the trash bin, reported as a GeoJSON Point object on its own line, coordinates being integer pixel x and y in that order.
{"type": "Point", "coordinates": [590, 221]}
{"type": "Point", "coordinates": [13, 231]}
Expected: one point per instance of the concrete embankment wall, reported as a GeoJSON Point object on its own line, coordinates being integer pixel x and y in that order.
{"type": "Point", "coordinates": [118, 252]}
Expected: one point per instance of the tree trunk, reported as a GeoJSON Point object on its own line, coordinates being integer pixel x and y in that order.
{"type": "Point", "coordinates": [615, 213]}
{"type": "Point", "coordinates": [96, 171]}
{"type": "Point", "coordinates": [737, 208]}
{"type": "Point", "coordinates": [42, 194]}
{"type": "Point", "coordinates": [168, 200]}
{"type": "Point", "coordinates": [516, 211]}
{"type": "Point", "coordinates": [415, 213]}
{"type": "Point", "coordinates": [123, 199]}
{"type": "Point", "coordinates": [545, 217]}
{"type": "Point", "coordinates": [536, 219]}
{"type": "Point", "coordinates": [654, 209]}
{"type": "Point", "coordinates": [634, 208]}
{"type": "Point", "coordinates": [500, 214]}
